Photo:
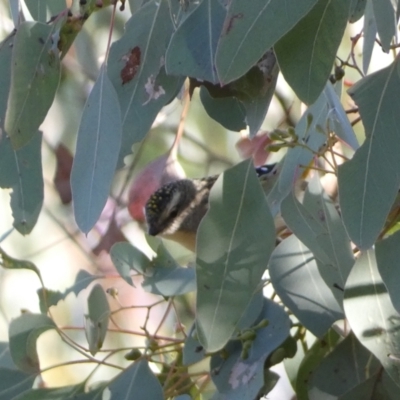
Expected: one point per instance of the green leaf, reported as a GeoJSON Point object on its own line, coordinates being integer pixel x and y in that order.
{"type": "Point", "coordinates": [193, 351]}
{"type": "Point", "coordinates": [312, 359]}
{"type": "Point", "coordinates": [12, 382]}
{"type": "Point", "coordinates": [48, 298]}
{"type": "Point", "coordinates": [379, 387]}
{"type": "Point", "coordinates": [348, 365]}
{"type": "Point", "coordinates": [387, 257]}
{"type": "Point", "coordinates": [234, 242]}
{"type": "Point", "coordinates": [136, 382]}
{"type": "Point", "coordinates": [311, 134]}
{"type": "Point", "coordinates": [23, 333]}
{"type": "Point", "coordinates": [318, 225]}
{"type": "Point", "coordinates": [34, 80]}
{"type": "Point", "coordinates": [97, 150]}
{"type": "Point", "coordinates": [255, 90]}
{"type": "Point", "coordinates": [250, 31]}
{"type": "Point", "coordinates": [67, 392]}
{"type": "Point", "coordinates": [193, 45]}
{"type": "Point", "coordinates": [377, 326]}
{"type": "Point", "coordinates": [39, 9]}
{"type": "Point", "coordinates": [21, 171]}
{"type": "Point", "coordinates": [166, 278]}
{"type": "Point", "coordinates": [370, 32]}
{"type": "Point", "coordinates": [228, 111]}
{"type": "Point", "coordinates": [298, 282]}
{"type": "Point", "coordinates": [369, 182]}
{"type": "Point", "coordinates": [6, 47]}
{"type": "Point", "coordinates": [12, 263]}
{"type": "Point", "coordinates": [238, 378]}
{"type": "Point", "coordinates": [357, 8]}
{"type": "Point", "coordinates": [135, 70]}
{"type": "Point", "coordinates": [385, 18]}
{"type": "Point", "coordinates": [306, 54]}
{"type": "Point", "coordinates": [339, 122]}
{"type": "Point", "coordinates": [97, 319]}
{"type": "Point", "coordinates": [127, 257]}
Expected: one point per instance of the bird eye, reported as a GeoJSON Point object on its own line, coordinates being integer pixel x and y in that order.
{"type": "Point", "coordinates": [173, 213]}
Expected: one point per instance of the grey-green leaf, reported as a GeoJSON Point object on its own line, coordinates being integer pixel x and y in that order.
{"type": "Point", "coordinates": [135, 69]}
{"type": "Point", "coordinates": [250, 31]}
{"type": "Point", "coordinates": [127, 258]}
{"type": "Point", "coordinates": [34, 80]}
{"type": "Point", "coordinates": [237, 378]}
{"type": "Point", "coordinates": [310, 131]}
{"type": "Point", "coordinates": [228, 111]}
{"type": "Point", "coordinates": [97, 151]}
{"type": "Point", "coordinates": [165, 277]}
{"type": "Point", "coordinates": [357, 8]}
{"type": "Point", "coordinates": [312, 358]}
{"type": "Point", "coordinates": [306, 54]}
{"type": "Point", "coordinates": [348, 365]}
{"type": "Point", "coordinates": [387, 257]}
{"type": "Point", "coordinates": [23, 333]}
{"type": "Point", "coordinates": [48, 298]}
{"type": "Point", "coordinates": [234, 242]}
{"type": "Point", "coordinates": [136, 382]}
{"type": "Point", "coordinates": [370, 32]}
{"type": "Point", "coordinates": [6, 47]}
{"type": "Point", "coordinates": [40, 9]}
{"type": "Point", "coordinates": [193, 46]}
{"type": "Point", "coordinates": [97, 319]}
{"type": "Point", "coordinates": [369, 182]}
{"type": "Point", "coordinates": [377, 326]}
{"type": "Point", "coordinates": [61, 393]}
{"type": "Point", "coordinates": [385, 18]}
{"type": "Point", "coordinates": [21, 171]}
{"type": "Point", "coordinates": [297, 281]}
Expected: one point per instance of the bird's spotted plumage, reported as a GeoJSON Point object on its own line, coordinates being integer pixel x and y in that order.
{"type": "Point", "coordinates": [176, 209]}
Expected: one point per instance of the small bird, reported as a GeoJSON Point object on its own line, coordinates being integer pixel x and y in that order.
{"type": "Point", "coordinates": [175, 210]}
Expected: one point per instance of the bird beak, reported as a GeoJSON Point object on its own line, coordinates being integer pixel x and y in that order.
{"type": "Point", "coordinates": [153, 231]}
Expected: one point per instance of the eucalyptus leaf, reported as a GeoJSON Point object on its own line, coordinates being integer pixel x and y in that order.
{"type": "Point", "coordinates": [193, 45]}
{"type": "Point", "coordinates": [387, 257]}
{"type": "Point", "coordinates": [370, 32]}
{"type": "Point", "coordinates": [298, 282]}
{"type": "Point", "coordinates": [242, 378]}
{"type": "Point", "coordinates": [313, 357]}
{"type": "Point", "coordinates": [138, 382]}
{"type": "Point", "coordinates": [347, 366]}
{"type": "Point", "coordinates": [48, 298]}
{"type": "Point", "coordinates": [250, 31]}
{"type": "Point", "coordinates": [23, 333]}
{"type": "Point", "coordinates": [232, 253]}
{"type": "Point", "coordinates": [34, 80]}
{"type": "Point", "coordinates": [127, 257]}
{"type": "Point", "coordinates": [377, 327]}
{"type": "Point", "coordinates": [97, 151]}
{"type": "Point", "coordinates": [307, 52]}
{"type": "Point", "coordinates": [386, 22]}
{"type": "Point", "coordinates": [66, 392]}
{"type": "Point", "coordinates": [357, 8]}
{"type": "Point", "coordinates": [96, 323]}
{"type": "Point", "coordinates": [369, 182]}
{"type": "Point", "coordinates": [166, 278]}
{"type": "Point", "coordinates": [135, 69]}
{"type": "Point", "coordinates": [21, 171]}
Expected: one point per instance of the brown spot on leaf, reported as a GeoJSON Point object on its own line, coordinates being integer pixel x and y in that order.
{"type": "Point", "coordinates": [229, 23]}
{"type": "Point", "coordinates": [132, 65]}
